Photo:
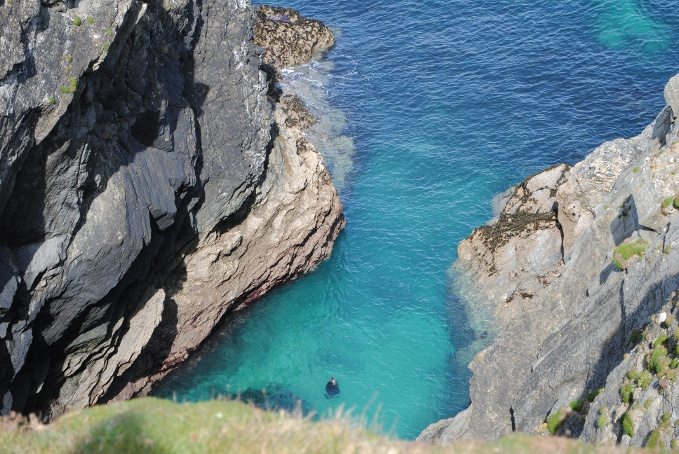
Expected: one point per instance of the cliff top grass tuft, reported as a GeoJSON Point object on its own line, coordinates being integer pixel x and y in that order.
{"type": "Point", "coordinates": [152, 425]}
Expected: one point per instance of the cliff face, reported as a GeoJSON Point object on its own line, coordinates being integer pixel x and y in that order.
{"type": "Point", "coordinates": [148, 185]}
{"type": "Point", "coordinates": [577, 270]}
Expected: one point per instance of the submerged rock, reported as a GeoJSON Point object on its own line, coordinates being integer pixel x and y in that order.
{"type": "Point", "coordinates": [576, 263]}
{"type": "Point", "coordinates": [148, 186]}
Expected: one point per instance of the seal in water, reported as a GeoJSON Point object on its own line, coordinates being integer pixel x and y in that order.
{"type": "Point", "coordinates": [331, 388]}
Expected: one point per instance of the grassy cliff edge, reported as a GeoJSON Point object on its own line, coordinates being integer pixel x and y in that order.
{"type": "Point", "coordinates": [153, 425]}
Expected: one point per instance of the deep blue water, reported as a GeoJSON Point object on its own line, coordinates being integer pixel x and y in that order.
{"type": "Point", "coordinates": [448, 103]}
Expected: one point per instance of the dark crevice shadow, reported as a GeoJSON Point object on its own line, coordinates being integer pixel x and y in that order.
{"type": "Point", "coordinates": [627, 221]}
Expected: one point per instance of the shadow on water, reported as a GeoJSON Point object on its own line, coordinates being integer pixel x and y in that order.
{"type": "Point", "coordinates": [274, 397]}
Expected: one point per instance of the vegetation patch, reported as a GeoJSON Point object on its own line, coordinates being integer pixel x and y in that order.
{"type": "Point", "coordinates": [669, 321]}
{"type": "Point", "coordinates": [158, 426]}
{"type": "Point", "coordinates": [555, 420]}
{"type": "Point", "coordinates": [654, 440]}
{"type": "Point", "coordinates": [628, 250]}
{"type": "Point", "coordinates": [604, 419]}
{"type": "Point", "coordinates": [77, 21]}
{"type": "Point", "coordinates": [661, 340]}
{"type": "Point", "coordinates": [628, 425]}
{"type": "Point", "coordinates": [644, 379]}
{"type": "Point", "coordinates": [71, 88]}
{"type": "Point", "coordinates": [658, 359]}
{"type": "Point", "coordinates": [667, 202]}
{"type": "Point", "coordinates": [626, 391]}
{"type": "Point", "coordinates": [577, 405]}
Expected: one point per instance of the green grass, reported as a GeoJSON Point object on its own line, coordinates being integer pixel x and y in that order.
{"type": "Point", "coordinates": [626, 391]}
{"type": "Point", "coordinates": [654, 441]}
{"type": "Point", "coordinates": [667, 202]}
{"type": "Point", "coordinates": [665, 418]}
{"type": "Point", "coordinates": [577, 405]}
{"type": "Point", "coordinates": [77, 21]}
{"type": "Point", "coordinates": [661, 340]}
{"type": "Point", "coordinates": [632, 374]}
{"type": "Point", "coordinates": [604, 419]}
{"type": "Point", "coordinates": [90, 20]}
{"type": "Point", "coordinates": [644, 379]}
{"type": "Point", "coordinates": [628, 425]}
{"type": "Point", "coordinates": [555, 420]}
{"type": "Point", "coordinates": [623, 253]}
{"type": "Point", "coordinates": [71, 88]}
{"type": "Point", "coordinates": [636, 169]}
{"type": "Point", "coordinates": [658, 359]}
{"type": "Point", "coordinates": [152, 425]}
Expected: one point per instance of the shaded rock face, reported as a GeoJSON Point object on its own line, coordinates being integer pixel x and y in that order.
{"type": "Point", "coordinates": [289, 39]}
{"type": "Point", "coordinates": [148, 185]}
{"type": "Point", "coordinates": [563, 314]}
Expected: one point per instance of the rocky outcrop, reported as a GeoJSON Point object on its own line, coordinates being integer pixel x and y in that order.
{"type": "Point", "coordinates": [148, 185]}
{"type": "Point", "coordinates": [289, 39]}
{"type": "Point", "coordinates": [574, 266]}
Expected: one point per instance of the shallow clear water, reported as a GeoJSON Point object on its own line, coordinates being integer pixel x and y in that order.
{"type": "Point", "coordinates": [448, 103]}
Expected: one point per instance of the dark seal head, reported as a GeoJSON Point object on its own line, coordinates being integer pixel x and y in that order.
{"type": "Point", "coordinates": [331, 388]}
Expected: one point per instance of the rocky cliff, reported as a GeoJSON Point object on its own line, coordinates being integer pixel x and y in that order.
{"type": "Point", "coordinates": [580, 271]}
{"type": "Point", "coordinates": [150, 183]}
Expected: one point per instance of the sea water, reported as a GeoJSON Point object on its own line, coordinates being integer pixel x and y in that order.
{"type": "Point", "coordinates": [431, 108]}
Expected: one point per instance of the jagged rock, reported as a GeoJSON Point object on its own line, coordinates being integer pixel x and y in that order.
{"type": "Point", "coordinates": [672, 94]}
{"type": "Point", "coordinates": [296, 112]}
{"type": "Point", "coordinates": [290, 39]}
{"type": "Point", "coordinates": [148, 186]}
{"type": "Point", "coordinates": [563, 321]}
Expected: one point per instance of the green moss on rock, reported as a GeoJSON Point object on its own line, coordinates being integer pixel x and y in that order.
{"type": "Point", "coordinates": [628, 250]}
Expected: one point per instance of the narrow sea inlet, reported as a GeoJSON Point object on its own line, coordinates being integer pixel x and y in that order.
{"type": "Point", "coordinates": [431, 108]}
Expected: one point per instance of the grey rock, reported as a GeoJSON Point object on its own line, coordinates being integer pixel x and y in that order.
{"type": "Point", "coordinates": [672, 94]}
{"type": "Point", "coordinates": [563, 323]}
{"type": "Point", "coordinates": [137, 139]}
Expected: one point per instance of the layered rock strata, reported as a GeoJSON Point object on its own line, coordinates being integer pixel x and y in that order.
{"type": "Point", "coordinates": [149, 184]}
{"type": "Point", "coordinates": [579, 262]}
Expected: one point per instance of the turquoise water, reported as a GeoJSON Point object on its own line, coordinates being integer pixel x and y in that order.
{"type": "Point", "coordinates": [448, 103]}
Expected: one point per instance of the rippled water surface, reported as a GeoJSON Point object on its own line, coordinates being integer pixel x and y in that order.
{"type": "Point", "coordinates": [448, 103]}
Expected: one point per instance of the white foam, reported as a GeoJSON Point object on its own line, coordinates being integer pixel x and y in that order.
{"type": "Point", "coordinates": [328, 135]}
